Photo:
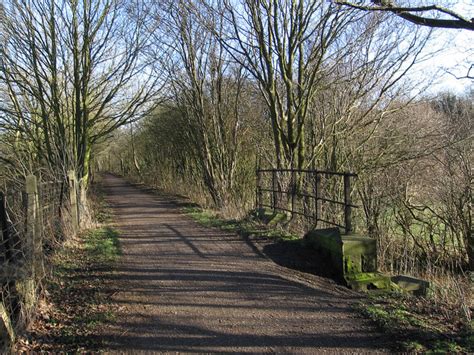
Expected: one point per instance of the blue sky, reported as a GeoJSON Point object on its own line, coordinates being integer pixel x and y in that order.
{"type": "Point", "coordinates": [457, 53]}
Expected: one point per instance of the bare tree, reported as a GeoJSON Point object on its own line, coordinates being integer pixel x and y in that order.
{"type": "Point", "coordinates": [284, 45]}
{"type": "Point", "coordinates": [293, 50]}
{"type": "Point", "coordinates": [207, 87]}
{"type": "Point", "coordinates": [72, 73]}
{"type": "Point", "coordinates": [416, 14]}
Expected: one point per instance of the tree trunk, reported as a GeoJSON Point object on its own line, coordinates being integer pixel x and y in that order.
{"type": "Point", "coordinates": [470, 250]}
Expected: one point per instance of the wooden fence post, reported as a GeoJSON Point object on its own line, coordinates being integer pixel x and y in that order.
{"type": "Point", "coordinates": [74, 200]}
{"type": "Point", "coordinates": [27, 287]}
{"type": "Point", "coordinates": [347, 204]}
{"type": "Point", "coordinates": [7, 274]}
{"type": "Point", "coordinates": [7, 333]}
{"type": "Point", "coordinates": [33, 227]}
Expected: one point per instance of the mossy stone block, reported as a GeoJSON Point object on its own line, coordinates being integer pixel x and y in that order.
{"type": "Point", "coordinates": [328, 239]}
{"type": "Point", "coordinates": [354, 258]}
{"type": "Point", "coordinates": [350, 254]}
{"type": "Point", "coordinates": [327, 242]}
{"type": "Point", "coordinates": [368, 281]}
{"type": "Point", "coordinates": [415, 286]}
{"type": "Point", "coordinates": [359, 254]}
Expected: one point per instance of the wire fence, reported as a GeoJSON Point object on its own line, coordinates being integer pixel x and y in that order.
{"type": "Point", "coordinates": [33, 220]}
{"type": "Point", "coordinates": [52, 196]}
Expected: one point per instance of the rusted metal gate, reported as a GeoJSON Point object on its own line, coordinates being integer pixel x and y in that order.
{"type": "Point", "coordinates": [324, 197]}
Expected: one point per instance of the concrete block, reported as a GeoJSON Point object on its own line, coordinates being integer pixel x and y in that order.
{"type": "Point", "coordinates": [413, 285]}
{"type": "Point", "coordinates": [350, 254]}
{"type": "Point", "coordinates": [353, 257]}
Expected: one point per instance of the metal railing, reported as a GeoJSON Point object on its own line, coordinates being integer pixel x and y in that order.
{"type": "Point", "coordinates": [321, 196]}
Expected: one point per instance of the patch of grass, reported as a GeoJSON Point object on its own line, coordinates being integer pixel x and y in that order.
{"type": "Point", "coordinates": [103, 215]}
{"type": "Point", "coordinates": [209, 219]}
{"type": "Point", "coordinates": [414, 331]}
{"type": "Point", "coordinates": [93, 321]}
{"type": "Point", "coordinates": [102, 245]}
{"type": "Point", "coordinates": [246, 227]}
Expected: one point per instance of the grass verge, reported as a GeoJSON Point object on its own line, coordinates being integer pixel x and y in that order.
{"type": "Point", "coordinates": [102, 245]}
{"type": "Point", "coordinates": [249, 226]}
{"type": "Point", "coordinates": [76, 302]}
{"type": "Point", "coordinates": [414, 326]}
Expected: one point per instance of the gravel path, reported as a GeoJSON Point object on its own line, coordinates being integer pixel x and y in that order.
{"type": "Point", "coordinates": [181, 287]}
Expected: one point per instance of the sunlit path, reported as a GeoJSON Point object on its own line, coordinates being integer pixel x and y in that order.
{"type": "Point", "coordinates": [181, 287]}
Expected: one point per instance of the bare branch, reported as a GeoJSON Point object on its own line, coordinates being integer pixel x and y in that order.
{"type": "Point", "coordinates": [467, 76]}
{"type": "Point", "coordinates": [456, 21]}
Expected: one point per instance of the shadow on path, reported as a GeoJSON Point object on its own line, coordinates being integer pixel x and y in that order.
{"type": "Point", "coordinates": [182, 287]}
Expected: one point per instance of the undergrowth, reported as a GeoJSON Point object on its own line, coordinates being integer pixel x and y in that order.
{"type": "Point", "coordinates": [76, 302]}
{"type": "Point", "coordinates": [415, 326]}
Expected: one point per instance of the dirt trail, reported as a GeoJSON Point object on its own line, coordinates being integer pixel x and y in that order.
{"type": "Point", "coordinates": [182, 287]}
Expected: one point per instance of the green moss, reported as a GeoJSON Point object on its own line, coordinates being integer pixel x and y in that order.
{"type": "Point", "coordinates": [378, 314]}
{"type": "Point", "coordinates": [270, 217]}
{"type": "Point", "coordinates": [351, 267]}
{"type": "Point", "coordinates": [446, 346]}
{"type": "Point", "coordinates": [277, 218]}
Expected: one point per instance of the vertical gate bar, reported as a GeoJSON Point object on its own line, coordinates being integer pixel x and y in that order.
{"type": "Point", "coordinates": [259, 190]}
{"type": "Point", "coordinates": [306, 200]}
{"type": "Point", "coordinates": [347, 204]}
{"type": "Point", "coordinates": [274, 189]}
{"type": "Point", "coordinates": [293, 192]}
{"type": "Point", "coordinates": [317, 196]}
